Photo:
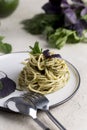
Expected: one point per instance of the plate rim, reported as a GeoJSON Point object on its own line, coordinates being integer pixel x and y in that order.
{"type": "Point", "coordinates": [66, 99]}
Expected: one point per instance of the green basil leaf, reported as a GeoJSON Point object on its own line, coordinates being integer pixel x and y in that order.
{"type": "Point", "coordinates": [48, 31]}
{"type": "Point", "coordinates": [5, 48]}
{"type": "Point", "coordinates": [84, 36]}
{"type": "Point", "coordinates": [73, 38]}
{"type": "Point", "coordinates": [35, 49]}
{"type": "Point", "coordinates": [62, 36]}
{"type": "Point", "coordinates": [38, 23]}
{"type": "Point", "coordinates": [84, 17]}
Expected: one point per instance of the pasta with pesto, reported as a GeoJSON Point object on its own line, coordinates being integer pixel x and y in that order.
{"type": "Point", "coordinates": [43, 74]}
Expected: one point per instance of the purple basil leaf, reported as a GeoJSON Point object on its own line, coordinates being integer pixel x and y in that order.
{"type": "Point", "coordinates": [50, 8]}
{"type": "Point", "coordinates": [77, 7]}
{"type": "Point", "coordinates": [70, 16]}
{"type": "Point", "coordinates": [55, 2]}
{"type": "Point", "coordinates": [7, 87]}
{"type": "Point", "coordinates": [79, 26]}
{"type": "Point", "coordinates": [47, 54]}
{"type": "Point", "coordinates": [78, 1]}
{"type": "Point", "coordinates": [64, 4]}
{"type": "Point", "coordinates": [84, 11]}
{"type": "Point", "coordinates": [55, 56]}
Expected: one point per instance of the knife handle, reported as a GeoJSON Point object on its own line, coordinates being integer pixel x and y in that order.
{"type": "Point", "coordinates": [41, 124]}
{"type": "Point", "coordinates": [55, 121]}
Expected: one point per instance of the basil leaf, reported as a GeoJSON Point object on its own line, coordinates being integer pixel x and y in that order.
{"type": "Point", "coordinates": [84, 17]}
{"type": "Point", "coordinates": [62, 36]}
{"type": "Point", "coordinates": [4, 47]}
{"type": "Point", "coordinates": [73, 38]}
{"type": "Point", "coordinates": [84, 36]}
{"type": "Point", "coordinates": [35, 49]}
{"type": "Point", "coordinates": [38, 23]}
{"type": "Point", "coordinates": [48, 31]}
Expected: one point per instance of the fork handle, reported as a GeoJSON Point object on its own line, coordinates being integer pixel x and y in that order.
{"type": "Point", "coordinates": [41, 124]}
{"type": "Point", "coordinates": [55, 121]}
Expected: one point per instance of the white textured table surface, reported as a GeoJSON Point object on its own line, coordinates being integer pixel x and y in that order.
{"type": "Point", "coordinates": [72, 114]}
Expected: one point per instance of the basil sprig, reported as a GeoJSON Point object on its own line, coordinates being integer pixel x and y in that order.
{"type": "Point", "coordinates": [36, 49]}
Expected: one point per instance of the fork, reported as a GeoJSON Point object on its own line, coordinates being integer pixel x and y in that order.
{"type": "Point", "coordinates": [20, 105]}
{"type": "Point", "coordinates": [42, 103]}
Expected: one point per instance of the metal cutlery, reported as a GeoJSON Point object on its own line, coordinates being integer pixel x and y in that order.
{"type": "Point", "coordinates": [20, 105]}
{"type": "Point", "coordinates": [42, 103]}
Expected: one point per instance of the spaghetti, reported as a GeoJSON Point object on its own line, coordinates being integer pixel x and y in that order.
{"type": "Point", "coordinates": [43, 74]}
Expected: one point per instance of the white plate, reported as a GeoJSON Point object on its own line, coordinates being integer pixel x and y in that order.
{"type": "Point", "coordinates": [11, 65]}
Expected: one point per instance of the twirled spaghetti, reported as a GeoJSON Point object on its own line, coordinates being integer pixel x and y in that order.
{"type": "Point", "coordinates": [44, 74]}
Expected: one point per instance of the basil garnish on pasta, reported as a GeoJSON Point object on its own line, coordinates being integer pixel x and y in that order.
{"type": "Point", "coordinates": [36, 49]}
{"type": "Point", "coordinates": [44, 72]}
